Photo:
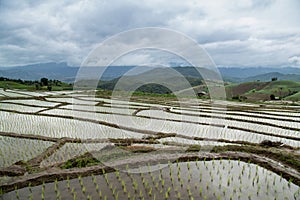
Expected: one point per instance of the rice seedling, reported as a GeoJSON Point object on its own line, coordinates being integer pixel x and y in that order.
{"type": "Point", "coordinates": [17, 193]}
{"type": "Point", "coordinates": [224, 178]}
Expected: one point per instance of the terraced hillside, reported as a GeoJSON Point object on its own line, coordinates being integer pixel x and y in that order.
{"type": "Point", "coordinates": [71, 144]}
{"type": "Point", "coordinates": [262, 91]}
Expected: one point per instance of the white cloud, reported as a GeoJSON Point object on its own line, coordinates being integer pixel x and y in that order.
{"type": "Point", "coordinates": [133, 59]}
{"type": "Point", "coordinates": [150, 58]}
{"type": "Point", "coordinates": [294, 60]}
{"type": "Point", "coordinates": [242, 32]}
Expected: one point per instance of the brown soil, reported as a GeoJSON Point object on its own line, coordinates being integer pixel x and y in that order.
{"type": "Point", "coordinates": [245, 87]}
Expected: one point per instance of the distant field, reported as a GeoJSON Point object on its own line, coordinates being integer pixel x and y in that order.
{"type": "Point", "coordinates": [294, 97]}
{"type": "Point", "coordinates": [14, 85]}
{"type": "Point", "coordinates": [261, 91]}
{"type": "Point", "coordinates": [32, 87]}
{"type": "Point", "coordinates": [69, 144]}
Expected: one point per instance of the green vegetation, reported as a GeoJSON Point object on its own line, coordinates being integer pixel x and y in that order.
{"type": "Point", "coordinates": [82, 161]}
{"type": "Point", "coordinates": [43, 84]}
{"type": "Point", "coordinates": [287, 158]}
{"type": "Point", "coordinates": [15, 85]}
{"type": "Point", "coordinates": [153, 94]}
{"type": "Point", "coordinates": [151, 87]}
{"type": "Point", "coordinates": [160, 80]}
{"type": "Point", "coordinates": [154, 88]}
{"type": "Point", "coordinates": [249, 91]}
{"type": "Point", "coordinates": [174, 166]}
{"type": "Point", "coordinates": [256, 91]}
{"type": "Point", "coordinates": [294, 97]}
{"type": "Point", "coordinates": [193, 148]}
{"type": "Point", "coordinates": [108, 93]}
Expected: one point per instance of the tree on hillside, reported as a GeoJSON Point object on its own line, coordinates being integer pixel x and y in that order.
{"type": "Point", "coordinates": [44, 81]}
{"type": "Point", "coordinates": [274, 79]}
{"type": "Point", "coordinates": [272, 97]}
{"type": "Point", "coordinates": [37, 86]}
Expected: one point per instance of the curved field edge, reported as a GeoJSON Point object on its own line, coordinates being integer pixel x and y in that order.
{"type": "Point", "coordinates": [282, 153]}
{"type": "Point", "coordinates": [56, 174]}
{"type": "Point", "coordinates": [268, 157]}
{"type": "Point", "coordinates": [205, 115]}
{"type": "Point", "coordinates": [124, 127]}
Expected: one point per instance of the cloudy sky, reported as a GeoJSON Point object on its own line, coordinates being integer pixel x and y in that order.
{"type": "Point", "coordinates": [234, 33]}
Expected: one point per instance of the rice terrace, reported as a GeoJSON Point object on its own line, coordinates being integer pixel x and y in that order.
{"type": "Point", "coordinates": [79, 145]}
{"type": "Point", "coordinates": [150, 100]}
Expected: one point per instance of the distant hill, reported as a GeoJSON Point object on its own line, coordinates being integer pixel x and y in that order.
{"type": "Point", "coordinates": [245, 72]}
{"type": "Point", "coordinates": [176, 79]}
{"type": "Point", "coordinates": [239, 75]}
{"type": "Point", "coordinates": [282, 89]}
{"type": "Point", "coordinates": [294, 97]}
{"type": "Point", "coordinates": [60, 71]}
{"type": "Point", "coordinates": [43, 84]}
{"type": "Point", "coordinates": [63, 72]}
{"type": "Point", "coordinates": [269, 76]}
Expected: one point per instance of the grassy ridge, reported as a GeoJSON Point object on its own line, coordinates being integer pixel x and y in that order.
{"type": "Point", "coordinates": [283, 89]}
{"type": "Point", "coordinates": [294, 97]}
{"type": "Point", "coordinates": [32, 87]}
{"type": "Point", "coordinates": [14, 85]}
{"type": "Point", "coordinates": [253, 91]}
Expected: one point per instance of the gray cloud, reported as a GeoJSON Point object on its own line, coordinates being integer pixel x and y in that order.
{"type": "Point", "coordinates": [295, 60]}
{"type": "Point", "coordinates": [243, 32]}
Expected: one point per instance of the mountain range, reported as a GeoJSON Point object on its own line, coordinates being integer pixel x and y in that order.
{"type": "Point", "coordinates": [60, 71]}
{"type": "Point", "coordinates": [63, 72]}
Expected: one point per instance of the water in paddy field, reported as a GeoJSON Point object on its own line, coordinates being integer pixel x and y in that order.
{"type": "Point", "coordinates": [218, 179]}
{"type": "Point", "coordinates": [178, 127]}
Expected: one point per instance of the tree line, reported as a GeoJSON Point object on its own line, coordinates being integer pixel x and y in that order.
{"type": "Point", "coordinates": [43, 82]}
